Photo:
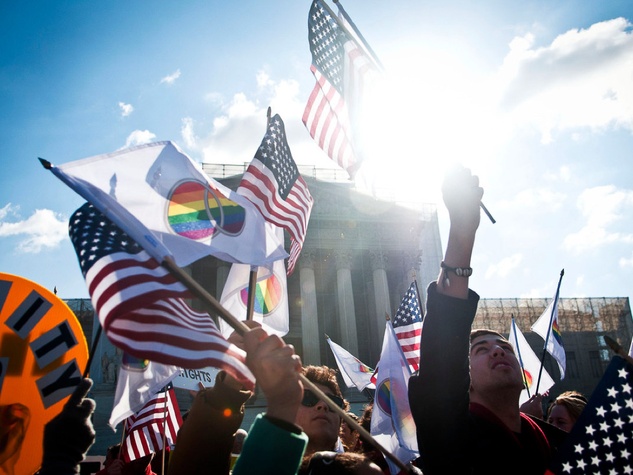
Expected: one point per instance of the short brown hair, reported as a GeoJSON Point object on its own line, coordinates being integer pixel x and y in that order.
{"type": "Point", "coordinates": [477, 332]}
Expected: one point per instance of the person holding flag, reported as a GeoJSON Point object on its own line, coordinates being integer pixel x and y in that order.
{"type": "Point", "coordinates": [468, 418]}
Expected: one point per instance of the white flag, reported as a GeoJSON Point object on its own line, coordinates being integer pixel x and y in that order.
{"type": "Point", "coordinates": [392, 424]}
{"type": "Point", "coordinates": [355, 373]}
{"type": "Point", "coordinates": [530, 364]}
{"type": "Point", "coordinates": [138, 382]}
{"type": "Point", "coordinates": [271, 294]}
{"type": "Point", "coordinates": [547, 327]}
{"type": "Point", "coordinates": [157, 187]}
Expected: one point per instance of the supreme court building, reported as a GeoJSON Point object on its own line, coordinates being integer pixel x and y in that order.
{"type": "Point", "coordinates": [358, 260]}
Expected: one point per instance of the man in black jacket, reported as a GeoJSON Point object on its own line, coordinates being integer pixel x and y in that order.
{"type": "Point", "coordinates": [467, 416]}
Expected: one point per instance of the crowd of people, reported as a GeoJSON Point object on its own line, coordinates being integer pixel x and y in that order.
{"type": "Point", "coordinates": [464, 398]}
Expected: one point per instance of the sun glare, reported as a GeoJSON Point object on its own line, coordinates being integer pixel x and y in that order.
{"type": "Point", "coordinates": [430, 116]}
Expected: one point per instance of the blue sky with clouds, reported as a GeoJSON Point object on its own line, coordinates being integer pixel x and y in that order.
{"type": "Point", "coordinates": [535, 96]}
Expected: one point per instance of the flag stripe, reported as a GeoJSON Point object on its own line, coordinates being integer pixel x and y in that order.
{"type": "Point", "coordinates": [145, 429]}
{"type": "Point", "coordinates": [259, 186]}
{"type": "Point", "coordinates": [407, 325]}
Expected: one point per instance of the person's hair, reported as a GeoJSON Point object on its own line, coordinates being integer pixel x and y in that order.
{"type": "Point", "coordinates": [323, 375]}
{"type": "Point", "coordinates": [353, 416]}
{"type": "Point", "coordinates": [573, 401]}
{"type": "Point", "coordinates": [334, 463]}
{"type": "Point", "coordinates": [477, 332]}
{"type": "Point", "coordinates": [365, 418]}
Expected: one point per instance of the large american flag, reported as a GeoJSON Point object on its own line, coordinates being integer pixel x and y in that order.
{"type": "Point", "coordinates": [273, 183]}
{"type": "Point", "coordinates": [341, 69]}
{"type": "Point", "coordinates": [144, 430]}
{"type": "Point", "coordinates": [601, 441]}
{"type": "Point", "coordinates": [140, 305]}
{"type": "Point", "coordinates": [407, 325]}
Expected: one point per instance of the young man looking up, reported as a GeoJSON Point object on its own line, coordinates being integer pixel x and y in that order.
{"type": "Point", "coordinates": [467, 417]}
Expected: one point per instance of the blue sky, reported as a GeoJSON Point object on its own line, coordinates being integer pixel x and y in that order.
{"type": "Point", "coordinates": [535, 96]}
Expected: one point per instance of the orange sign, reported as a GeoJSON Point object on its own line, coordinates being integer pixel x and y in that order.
{"type": "Point", "coordinates": [43, 354]}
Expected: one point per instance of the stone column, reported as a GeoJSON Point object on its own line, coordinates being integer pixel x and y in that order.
{"type": "Point", "coordinates": [309, 315]}
{"type": "Point", "coordinates": [345, 297]}
{"type": "Point", "coordinates": [378, 261]}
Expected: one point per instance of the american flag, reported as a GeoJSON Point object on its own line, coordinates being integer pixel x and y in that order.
{"type": "Point", "coordinates": [273, 184]}
{"type": "Point", "coordinates": [144, 430]}
{"type": "Point", "coordinates": [140, 305]}
{"type": "Point", "coordinates": [408, 326]}
{"type": "Point", "coordinates": [601, 441]}
{"type": "Point", "coordinates": [341, 69]}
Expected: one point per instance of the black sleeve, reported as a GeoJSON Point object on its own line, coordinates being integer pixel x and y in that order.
{"type": "Point", "coordinates": [438, 393]}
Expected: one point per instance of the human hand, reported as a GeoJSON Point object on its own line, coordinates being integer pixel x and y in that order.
{"type": "Point", "coordinates": [534, 406]}
{"type": "Point", "coordinates": [462, 197]}
{"type": "Point", "coordinates": [69, 435]}
{"type": "Point", "coordinates": [238, 340]}
{"type": "Point", "coordinates": [276, 368]}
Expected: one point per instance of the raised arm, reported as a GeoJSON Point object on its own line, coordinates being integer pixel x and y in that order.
{"type": "Point", "coordinates": [462, 195]}
{"type": "Point", "coordinates": [438, 394]}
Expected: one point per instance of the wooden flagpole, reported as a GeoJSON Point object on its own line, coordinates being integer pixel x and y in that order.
{"type": "Point", "coordinates": [252, 289]}
{"type": "Point", "coordinates": [214, 307]}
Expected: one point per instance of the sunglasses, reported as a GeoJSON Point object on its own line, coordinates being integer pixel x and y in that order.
{"type": "Point", "coordinates": [310, 399]}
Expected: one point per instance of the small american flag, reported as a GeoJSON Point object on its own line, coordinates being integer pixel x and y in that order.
{"type": "Point", "coordinates": [144, 430]}
{"type": "Point", "coordinates": [273, 184]}
{"type": "Point", "coordinates": [408, 326]}
{"type": "Point", "coordinates": [601, 441]}
{"type": "Point", "coordinates": [341, 69]}
{"type": "Point", "coordinates": [140, 305]}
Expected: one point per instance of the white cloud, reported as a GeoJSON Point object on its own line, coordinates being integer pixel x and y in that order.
{"type": "Point", "coordinates": [187, 133]}
{"type": "Point", "coordinates": [139, 137]}
{"type": "Point", "coordinates": [626, 262]}
{"type": "Point", "coordinates": [563, 174]}
{"type": "Point", "coordinates": [583, 79]}
{"type": "Point", "coordinates": [504, 267]}
{"type": "Point", "coordinates": [7, 210]}
{"type": "Point", "coordinates": [544, 199]}
{"type": "Point", "coordinates": [126, 109]}
{"type": "Point", "coordinates": [237, 133]}
{"type": "Point", "coordinates": [604, 208]}
{"type": "Point", "coordinates": [43, 229]}
{"type": "Point", "coordinates": [170, 79]}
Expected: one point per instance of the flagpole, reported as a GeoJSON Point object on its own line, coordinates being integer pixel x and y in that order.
{"type": "Point", "coordinates": [549, 328]}
{"type": "Point", "coordinates": [164, 433]}
{"type": "Point", "coordinates": [357, 32]}
{"type": "Point", "coordinates": [213, 306]}
{"type": "Point", "coordinates": [95, 343]}
{"type": "Point", "coordinates": [252, 283]}
{"type": "Point", "coordinates": [516, 343]}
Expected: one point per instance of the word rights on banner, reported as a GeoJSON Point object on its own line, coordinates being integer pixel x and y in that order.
{"type": "Point", "coordinates": [192, 378]}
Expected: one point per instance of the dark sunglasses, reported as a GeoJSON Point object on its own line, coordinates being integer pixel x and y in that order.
{"type": "Point", "coordinates": [310, 399]}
